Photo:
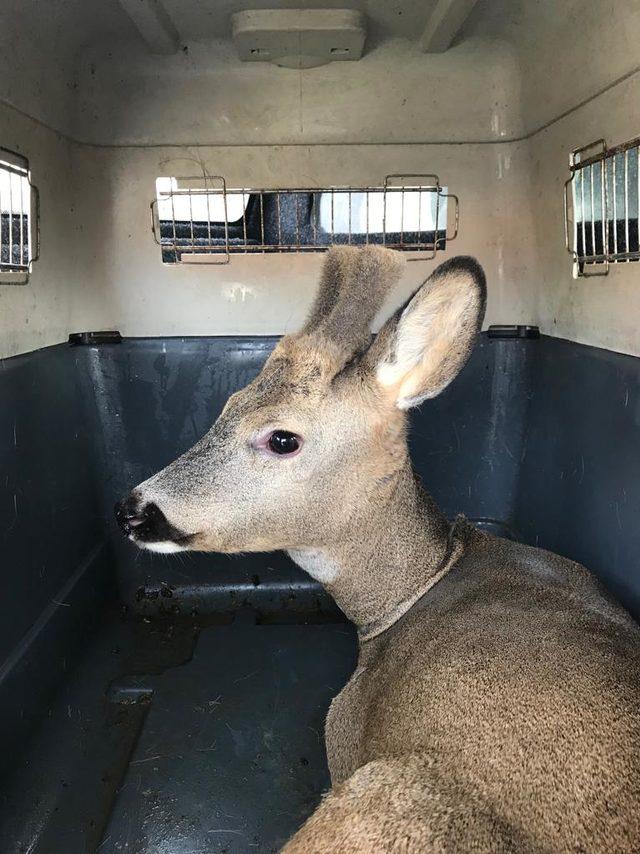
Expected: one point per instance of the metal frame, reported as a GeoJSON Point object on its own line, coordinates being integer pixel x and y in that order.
{"type": "Point", "coordinates": [220, 253]}
{"type": "Point", "coordinates": [11, 273]}
{"type": "Point", "coordinates": [581, 164]}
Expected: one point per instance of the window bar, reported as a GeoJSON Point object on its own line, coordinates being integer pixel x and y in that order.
{"type": "Point", "coordinates": [366, 195]}
{"type": "Point", "coordinates": [637, 209]}
{"type": "Point", "coordinates": [436, 225]}
{"type": "Point", "coordinates": [262, 221]}
{"type": "Point", "coordinates": [14, 240]}
{"type": "Point", "coordinates": [456, 217]}
{"type": "Point", "coordinates": [206, 190]}
{"type": "Point", "coordinates": [332, 222]}
{"type": "Point", "coordinates": [226, 219]}
{"type": "Point", "coordinates": [22, 261]}
{"type": "Point", "coordinates": [10, 219]}
{"type": "Point", "coordinates": [1, 222]}
{"type": "Point", "coordinates": [615, 208]}
{"type": "Point", "coordinates": [603, 206]}
{"type": "Point", "coordinates": [173, 223]}
{"type": "Point", "coordinates": [7, 241]}
{"type": "Point", "coordinates": [245, 202]}
{"type": "Point", "coordinates": [582, 214]}
{"type": "Point", "coordinates": [295, 198]}
{"type": "Point", "coordinates": [279, 219]}
{"type": "Point", "coordinates": [384, 215]}
{"type": "Point", "coordinates": [626, 201]}
{"type": "Point", "coordinates": [193, 239]}
{"type": "Point", "coordinates": [349, 216]}
{"type": "Point", "coordinates": [638, 200]}
{"type": "Point", "coordinates": [33, 224]}
{"type": "Point", "coordinates": [10, 211]}
{"type": "Point", "coordinates": [314, 214]}
{"type": "Point", "coordinates": [593, 213]}
{"type": "Point", "coordinates": [420, 214]}
{"type": "Point", "coordinates": [402, 216]}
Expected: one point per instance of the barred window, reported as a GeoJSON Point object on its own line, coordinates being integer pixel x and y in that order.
{"type": "Point", "coordinates": [604, 199]}
{"type": "Point", "coordinates": [17, 218]}
{"type": "Point", "coordinates": [198, 220]}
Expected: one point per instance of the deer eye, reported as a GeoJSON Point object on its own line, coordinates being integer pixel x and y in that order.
{"type": "Point", "coordinates": [282, 442]}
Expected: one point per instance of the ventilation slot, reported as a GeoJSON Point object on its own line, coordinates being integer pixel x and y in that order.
{"type": "Point", "coordinates": [199, 220]}
{"type": "Point", "coordinates": [601, 207]}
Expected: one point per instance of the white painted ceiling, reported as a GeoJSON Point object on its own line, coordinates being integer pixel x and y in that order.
{"type": "Point", "coordinates": [82, 67]}
{"type": "Point", "coordinates": [392, 18]}
{"type": "Point", "coordinates": [75, 24]}
{"type": "Point", "coordinates": [70, 26]}
{"type": "Point", "coordinates": [67, 26]}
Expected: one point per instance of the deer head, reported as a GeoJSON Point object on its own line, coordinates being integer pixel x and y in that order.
{"type": "Point", "coordinates": [297, 457]}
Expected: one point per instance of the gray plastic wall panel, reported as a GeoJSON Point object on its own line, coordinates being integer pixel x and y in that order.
{"type": "Point", "coordinates": [540, 436]}
{"type": "Point", "coordinates": [55, 575]}
{"type": "Point", "coordinates": [537, 436]}
{"type": "Point", "coordinates": [579, 479]}
{"type": "Point", "coordinates": [156, 397]}
{"type": "Point", "coordinates": [467, 443]}
{"type": "Point", "coordinates": [50, 519]}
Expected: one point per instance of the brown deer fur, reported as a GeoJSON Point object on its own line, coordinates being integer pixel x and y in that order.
{"type": "Point", "coordinates": [496, 701]}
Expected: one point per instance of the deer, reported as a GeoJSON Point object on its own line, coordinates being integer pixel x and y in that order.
{"type": "Point", "coordinates": [495, 705]}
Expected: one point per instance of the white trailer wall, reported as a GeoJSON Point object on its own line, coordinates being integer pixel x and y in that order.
{"type": "Point", "coordinates": [40, 313]}
{"type": "Point", "coordinates": [473, 115]}
{"type": "Point", "coordinates": [581, 68]}
{"type": "Point", "coordinates": [260, 295]}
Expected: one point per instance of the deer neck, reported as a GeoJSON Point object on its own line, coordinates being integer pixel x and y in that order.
{"type": "Point", "coordinates": [392, 550]}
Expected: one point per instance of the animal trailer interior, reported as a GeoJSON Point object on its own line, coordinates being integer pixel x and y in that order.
{"type": "Point", "coordinates": [173, 174]}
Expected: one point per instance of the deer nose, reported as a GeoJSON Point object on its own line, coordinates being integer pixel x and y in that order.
{"type": "Point", "coordinates": [144, 522]}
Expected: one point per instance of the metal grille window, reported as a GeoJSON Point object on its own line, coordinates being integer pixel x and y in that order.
{"type": "Point", "coordinates": [602, 206]}
{"type": "Point", "coordinates": [18, 201]}
{"type": "Point", "coordinates": [199, 220]}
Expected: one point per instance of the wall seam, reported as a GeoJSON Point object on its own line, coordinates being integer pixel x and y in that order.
{"type": "Point", "coordinates": [181, 145]}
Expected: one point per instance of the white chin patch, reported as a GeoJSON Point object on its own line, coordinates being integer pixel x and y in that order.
{"type": "Point", "coordinates": [318, 565]}
{"type": "Point", "coordinates": [163, 548]}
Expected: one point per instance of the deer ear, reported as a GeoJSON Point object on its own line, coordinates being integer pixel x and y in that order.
{"type": "Point", "coordinates": [422, 347]}
{"type": "Point", "coordinates": [354, 283]}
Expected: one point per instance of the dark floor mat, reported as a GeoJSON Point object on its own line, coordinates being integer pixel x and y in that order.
{"type": "Point", "coordinates": [231, 755]}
